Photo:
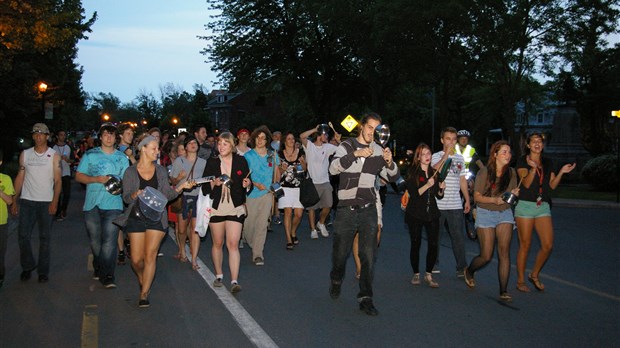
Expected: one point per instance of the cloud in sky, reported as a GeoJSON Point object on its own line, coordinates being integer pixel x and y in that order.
{"type": "Point", "coordinates": [141, 45]}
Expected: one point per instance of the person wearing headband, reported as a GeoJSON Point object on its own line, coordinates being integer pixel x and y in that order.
{"type": "Point", "coordinates": [100, 206]}
{"type": "Point", "coordinates": [145, 235]}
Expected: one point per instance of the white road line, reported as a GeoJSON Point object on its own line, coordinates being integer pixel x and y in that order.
{"type": "Point", "coordinates": [248, 325]}
{"type": "Point", "coordinates": [565, 282]}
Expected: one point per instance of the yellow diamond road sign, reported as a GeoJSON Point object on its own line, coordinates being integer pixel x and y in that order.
{"type": "Point", "coordinates": [349, 123]}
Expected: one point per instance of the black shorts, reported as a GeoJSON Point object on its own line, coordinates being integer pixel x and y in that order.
{"type": "Point", "coordinates": [137, 225]}
{"type": "Point", "coordinates": [235, 218]}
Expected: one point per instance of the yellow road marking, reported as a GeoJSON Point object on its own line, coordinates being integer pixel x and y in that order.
{"type": "Point", "coordinates": [90, 327]}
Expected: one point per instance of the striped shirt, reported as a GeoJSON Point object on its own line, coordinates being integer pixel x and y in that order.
{"type": "Point", "coordinates": [451, 197]}
{"type": "Point", "coordinates": [358, 174]}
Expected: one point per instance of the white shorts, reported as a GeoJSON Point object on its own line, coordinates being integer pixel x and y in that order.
{"type": "Point", "coordinates": [290, 198]}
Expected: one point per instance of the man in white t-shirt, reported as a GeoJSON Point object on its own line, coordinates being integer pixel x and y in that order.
{"type": "Point", "coordinates": [66, 159]}
{"type": "Point", "coordinates": [317, 157]}
{"type": "Point", "coordinates": [37, 189]}
{"type": "Point", "coordinates": [451, 206]}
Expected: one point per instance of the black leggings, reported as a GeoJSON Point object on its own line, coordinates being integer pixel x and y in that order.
{"type": "Point", "coordinates": [487, 236]}
{"type": "Point", "coordinates": [432, 233]}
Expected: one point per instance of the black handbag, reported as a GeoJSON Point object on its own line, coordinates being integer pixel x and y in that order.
{"type": "Point", "coordinates": [308, 196]}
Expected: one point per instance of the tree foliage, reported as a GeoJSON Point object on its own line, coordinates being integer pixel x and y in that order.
{"type": "Point", "coordinates": [38, 43]}
{"type": "Point", "coordinates": [325, 59]}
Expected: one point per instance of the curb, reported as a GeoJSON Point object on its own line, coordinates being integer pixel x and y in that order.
{"type": "Point", "coordinates": [584, 203]}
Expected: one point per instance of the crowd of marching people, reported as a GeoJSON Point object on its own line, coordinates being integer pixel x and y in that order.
{"type": "Point", "coordinates": [236, 184]}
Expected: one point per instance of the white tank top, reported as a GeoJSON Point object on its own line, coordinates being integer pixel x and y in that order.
{"type": "Point", "coordinates": [39, 175]}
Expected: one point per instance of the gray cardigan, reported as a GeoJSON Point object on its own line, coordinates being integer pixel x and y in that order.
{"type": "Point", "coordinates": [131, 184]}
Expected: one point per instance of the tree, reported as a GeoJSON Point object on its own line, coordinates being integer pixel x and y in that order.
{"type": "Point", "coordinates": [38, 43]}
{"type": "Point", "coordinates": [590, 70]}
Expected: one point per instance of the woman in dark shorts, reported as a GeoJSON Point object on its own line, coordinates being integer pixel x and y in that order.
{"type": "Point", "coordinates": [533, 209]}
{"type": "Point", "coordinates": [145, 235]}
{"type": "Point", "coordinates": [494, 218]}
{"type": "Point", "coordinates": [228, 211]}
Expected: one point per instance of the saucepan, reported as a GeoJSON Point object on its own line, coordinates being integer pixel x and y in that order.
{"type": "Point", "coordinates": [510, 198]}
{"type": "Point", "coordinates": [114, 185]}
{"type": "Point", "coordinates": [382, 134]}
{"type": "Point", "coordinates": [277, 190]}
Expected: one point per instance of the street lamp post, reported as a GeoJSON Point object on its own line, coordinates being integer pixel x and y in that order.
{"type": "Point", "coordinates": [42, 87]}
{"type": "Point", "coordinates": [616, 115]}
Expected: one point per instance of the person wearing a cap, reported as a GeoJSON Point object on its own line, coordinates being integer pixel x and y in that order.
{"type": "Point", "coordinates": [37, 189]}
{"type": "Point", "coordinates": [317, 156]}
{"type": "Point", "coordinates": [243, 136]}
{"type": "Point", "coordinates": [184, 169]}
{"type": "Point", "coordinates": [145, 235]}
{"type": "Point", "coordinates": [100, 206]}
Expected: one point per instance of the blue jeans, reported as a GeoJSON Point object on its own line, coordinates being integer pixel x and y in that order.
{"type": "Point", "coordinates": [348, 223]}
{"type": "Point", "coordinates": [103, 236]}
{"type": "Point", "coordinates": [456, 230]}
{"type": "Point", "coordinates": [31, 213]}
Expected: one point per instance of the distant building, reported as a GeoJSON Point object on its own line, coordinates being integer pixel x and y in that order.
{"type": "Point", "coordinates": [560, 123]}
{"type": "Point", "coordinates": [232, 110]}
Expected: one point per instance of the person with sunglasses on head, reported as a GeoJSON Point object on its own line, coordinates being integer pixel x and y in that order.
{"type": "Point", "coordinates": [495, 219]}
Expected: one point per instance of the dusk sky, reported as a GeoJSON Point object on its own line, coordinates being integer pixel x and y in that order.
{"type": "Point", "coordinates": [140, 45]}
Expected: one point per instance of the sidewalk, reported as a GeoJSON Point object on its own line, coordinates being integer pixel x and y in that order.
{"type": "Point", "coordinates": [584, 203]}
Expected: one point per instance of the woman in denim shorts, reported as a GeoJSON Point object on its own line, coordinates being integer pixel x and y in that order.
{"type": "Point", "coordinates": [494, 217]}
{"type": "Point", "coordinates": [533, 209]}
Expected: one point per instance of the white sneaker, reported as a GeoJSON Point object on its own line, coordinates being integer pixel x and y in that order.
{"type": "Point", "coordinates": [323, 230]}
{"type": "Point", "coordinates": [314, 234]}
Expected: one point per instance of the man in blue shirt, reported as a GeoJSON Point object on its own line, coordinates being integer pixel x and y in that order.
{"type": "Point", "coordinates": [100, 206]}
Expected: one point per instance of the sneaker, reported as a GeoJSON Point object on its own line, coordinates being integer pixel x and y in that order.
{"type": "Point", "coordinates": [258, 261]}
{"type": "Point", "coordinates": [43, 278]}
{"type": "Point", "coordinates": [367, 307]}
{"type": "Point", "coordinates": [218, 283]}
{"type": "Point", "coordinates": [60, 218]}
{"type": "Point", "coordinates": [108, 282]}
{"type": "Point", "coordinates": [144, 303]}
{"type": "Point", "coordinates": [235, 287]}
{"type": "Point", "coordinates": [435, 270]}
{"type": "Point", "coordinates": [428, 279]}
{"type": "Point", "coordinates": [95, 275]}
{"type": "Point", "coordinates": [314, 234]}
{"type": "Point", "coordinates": [334, 290]}
{"type": "Point", "coordinates": [505, 297]}
{"type": "Point", "coordinates": [240, 243]}
{"type": "Point", "coordinates": [460, 274]}
{"type": "Point", "coordinates": [416, 279]}
{"type": "Point", "coordinates": [322, 229]}
{"type": "Point", "coordinates": [160, 254]}
{"type": "Point", "coordinates": [25, 275]}
{"type": "Point", "coordinates": [276, 219]}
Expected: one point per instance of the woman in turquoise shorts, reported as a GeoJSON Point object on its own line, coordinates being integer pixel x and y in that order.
{"type": "Point", "coordinates": [533, 210]}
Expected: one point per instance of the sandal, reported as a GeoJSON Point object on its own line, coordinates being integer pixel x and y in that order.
{"type": "Point", "coordinates": [471, 283]}
{"type": "Point", "coordinates": [289, 246]}
{"type": "Point", "coordinates": [195, 266]}
{"type": "Point", "coordinates": [183, 259]}
{"type": "Point", "coordinates": [537, 284]}
{"type": "Point", "coordinates": [522, 287]}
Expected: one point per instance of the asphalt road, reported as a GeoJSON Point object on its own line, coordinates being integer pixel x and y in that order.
{"type": "Point", "coordinates": [286, 303]}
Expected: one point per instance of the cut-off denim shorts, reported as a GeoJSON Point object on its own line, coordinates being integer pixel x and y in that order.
{"type": "Point", "coordinates": [491, 218]}
{"type": "Point", "coordinates": [529, 210]}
